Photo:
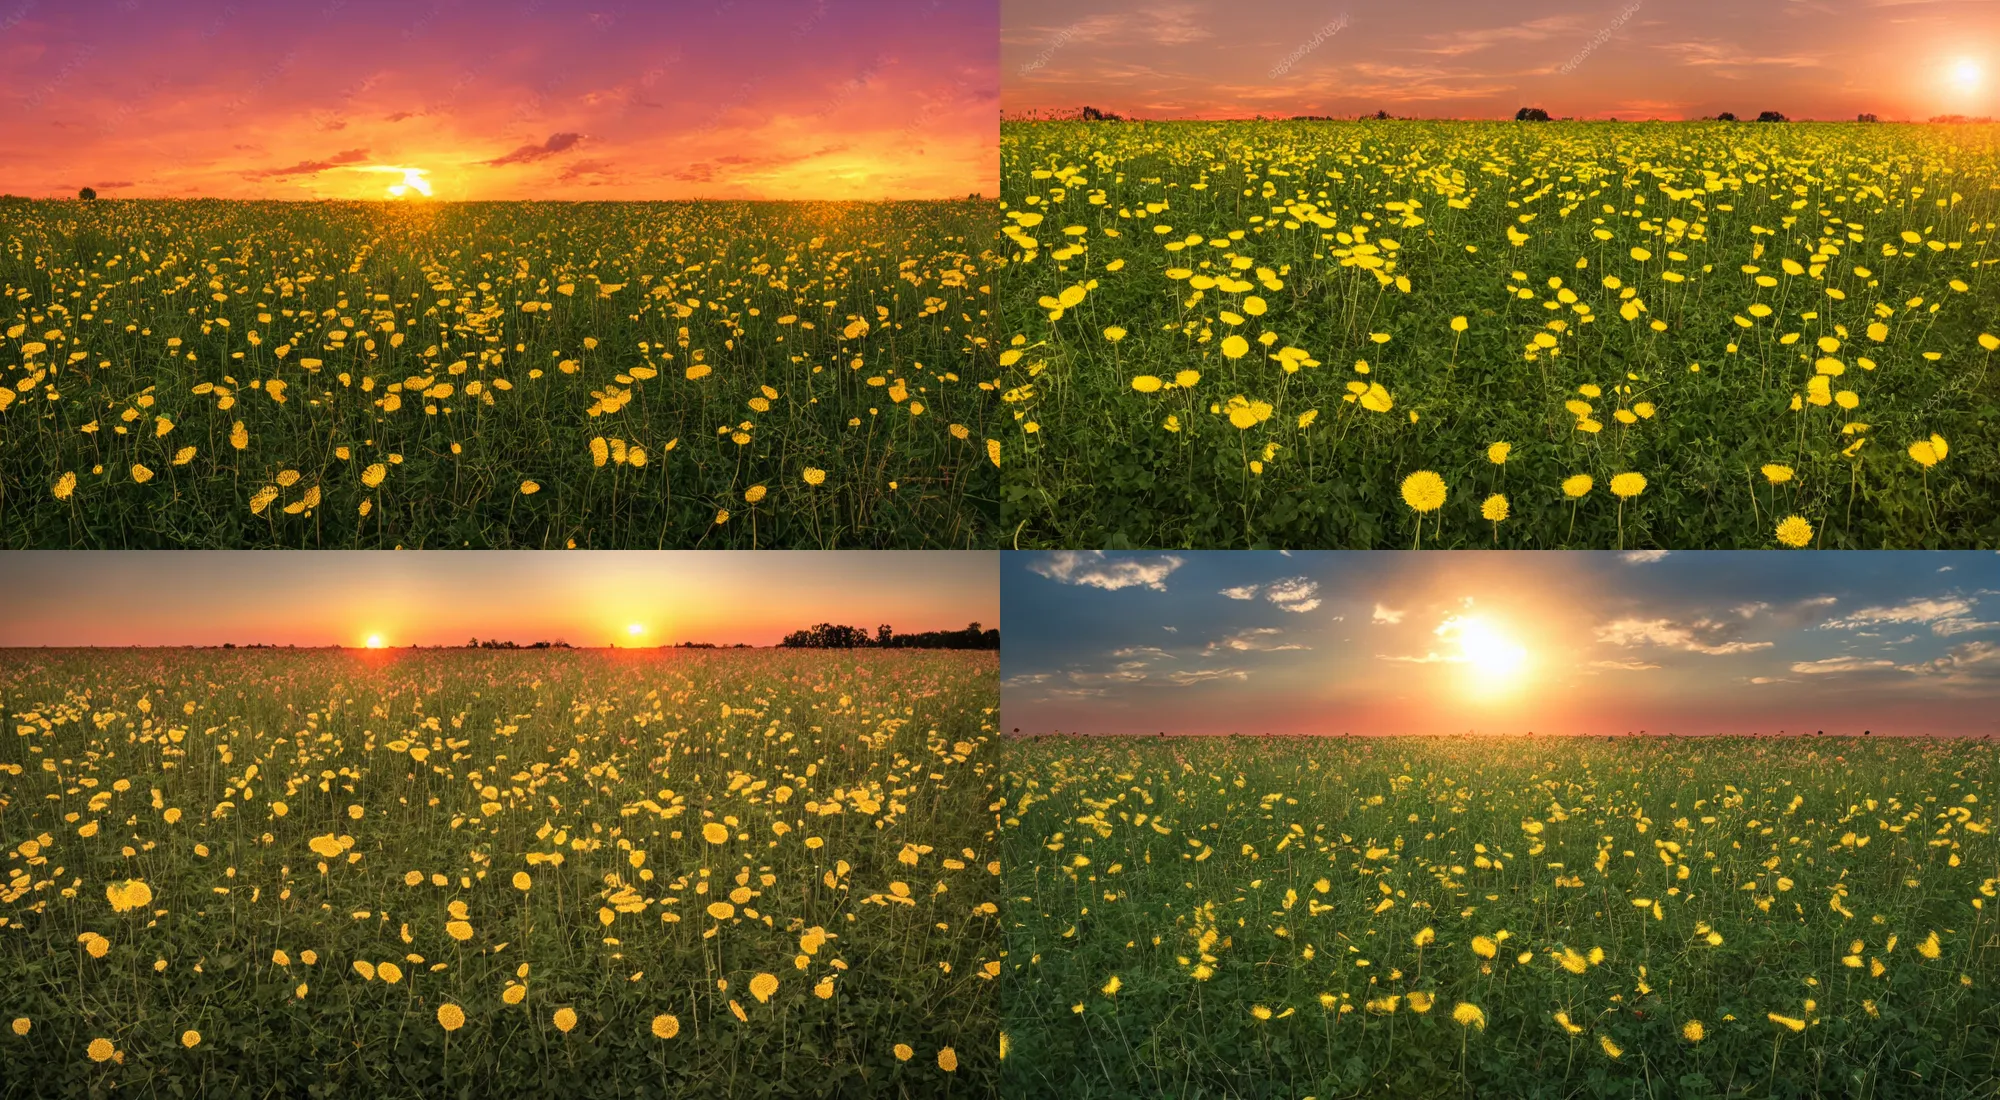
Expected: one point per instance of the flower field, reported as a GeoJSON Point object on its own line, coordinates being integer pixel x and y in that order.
{"type": "Point", "coordinates": [508, 375]}
{"type": "Point", "coordinates": [1432, 917]}
{"type": "Point", "coordinates": [1560, 335]}
{"type": "Point", "coordinates": [592, 873]}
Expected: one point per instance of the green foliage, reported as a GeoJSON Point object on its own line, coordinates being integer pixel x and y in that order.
{"type": "Point", "coordinates": [1636, 298]}
{"type": "Point", "coordinates": [834, 779]}
{"type": "Point", "coordinates": [472, 349]}
{"type": "Point", "coordinates": [1212, 876]}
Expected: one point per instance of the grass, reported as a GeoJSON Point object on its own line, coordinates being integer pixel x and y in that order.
{"type": "Point", "coordinates": [603, 839]}
{"type": "Point", "coordinates": [1222, 335]}
{"type": "Point", "coordinates": [496, 375]}
{"type": "Point", "coordinates": [1294, 918]}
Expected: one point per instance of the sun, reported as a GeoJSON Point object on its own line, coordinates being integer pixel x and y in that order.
{"type": "Point", "coordinates": [374, 641]}
{"type": "Point", "coordinates": [635, 630]}
{"type": "Point", "coordinates": [1966, 75]}
{"type": "Point", "coordinates": [1495, 661]}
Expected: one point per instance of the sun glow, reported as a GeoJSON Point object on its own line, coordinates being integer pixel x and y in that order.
{"type": "Point", "coordinates": [1966, 75]}
{"type": "Point", "coordinates": [635, 630]}
{"type": "Point", "coordinates": [374, 641]}
{"type": "Point", "coordinates": [413, 181]}
{"type": "Point", "coordinates": [1497, 664]}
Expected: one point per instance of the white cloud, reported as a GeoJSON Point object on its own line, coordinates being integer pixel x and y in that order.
{"type": "Point", "coordinates": [1772, 680]}
{"type": "Point", "coordinates": [1388, 616]}
{"type": "Point", "coordinates": [1643, 557]}
{"type": "Point", "coordinates": [1964, 663]}
{"type": "Point", "coordinates": [1945, 616]}
{"type": "Point", "coordinates": [1200, 675]}
{"type": "Point", "coordinates": [1427, 659]}
{"type": "Point", "coordinates": [1833, 665]}
{"type": "Point", "coordinates": [1093, 569]}
{"type": "Point", "coordinates": [1701, 636]}
{"type": "Point", "coordinates": [1143, 653]}
{"type": "Point", "coordinates": [1243, 592]}
{"type": "Point", "coordinates": [1262, 639]}
{"type": "Point", "coordinates": [1295, 594]}
{"type": "Point", "coordinates": [1624, 666]}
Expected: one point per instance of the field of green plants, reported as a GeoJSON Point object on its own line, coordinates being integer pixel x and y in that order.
{"type": "Point", "coordinates": [428, 873]}
{"type": "Point", "coordinates": [1238, 917]}
{"type": "Point", "coordinates": [1458, 334]}
{"type": "Point", "coordinates": [504, 375]}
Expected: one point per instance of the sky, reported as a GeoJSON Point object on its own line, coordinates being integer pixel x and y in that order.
{"type": "Point", "coordinates": [1630, 59]}
{"type": "Point", "coordinates": [507, 99]}
{"type": "Point", "coordinates": [588, 598]}
{"type": "Point", "coordinates": [1732, 642]}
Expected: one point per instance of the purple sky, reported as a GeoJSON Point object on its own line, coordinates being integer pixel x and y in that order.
{"type": "Point", "coordinates": [570, 99]}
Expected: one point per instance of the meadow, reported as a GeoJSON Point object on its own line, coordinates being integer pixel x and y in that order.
{"type": "Point", "coordinates": [1461, 334]}
{"type": "Point", "coordinates": [504, 375]}
{"type": "Point", "coordinates": [1729, 917]}
{"type": "Point", "coordinates": [426, 873]}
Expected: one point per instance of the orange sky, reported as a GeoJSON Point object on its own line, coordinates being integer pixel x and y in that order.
{"type": "Point", "coordinates": [591, 598]}
{"type": "Point", "coordinates": [765, 99]}
{"type": "Point", "coordinates": [1631, 59]}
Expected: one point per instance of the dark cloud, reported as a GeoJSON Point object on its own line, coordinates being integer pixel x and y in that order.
{"type": "Point", "coordinates": [585, 168]}
{"type": "Point", "coordinates": [527, 154]}
{"type": "Point", "coordinates": [305, 167]}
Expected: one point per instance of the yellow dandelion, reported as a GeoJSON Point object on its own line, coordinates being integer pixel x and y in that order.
{"type": "Point", "coordinates": [450, 1017]}
{"type": "Point", "coordinates": [666, 1025]}
{"type": "Point", "coordinates": [814, 475]}
{"type": "Point", "coordinates": [948, 1060]}
{"type": "Point", "coordinates": [1469, 1015]}
{"type": "Point", "coordinates": [1610, 1048]}
{"type": "Point", "coordinates": [715, 832]}
{"type": "Point", "coordinates": [530, 488]}
{"type": "Point", "coordinates": [64, 486]}
{"type": "Point", "coordinates": [1693, 1032]}
{"type": "Point", "coordinates": [904, 1052]}
{"type": "Point", "coordinates": [1795, 531]}
{"type": "Point", "coordinates": [140, 473]}
{"type": "Point", "coordinates": [1495, 508]}
{"type": "Point", "coordinates": [1497, 453]}
{"type": "Point", "coordinates": [754, 494]}
{"type": "Point", "coordinates": [1577, 485]}
{"type": "Point", "coordinates": [21, 1025]}
{"type": "Point", "coordinates": [101, 1050]}
{"type": "Point", "coordinates": [1628, 484]}
{"type": "Point", "coordinates": [1424, 491]}
{"type": "Point", "coordinates": [565, 1019]}
{"type": "Point", "coordinates": [1790, 1023]}
{"type": "Point", "coordinates": [762, 986]}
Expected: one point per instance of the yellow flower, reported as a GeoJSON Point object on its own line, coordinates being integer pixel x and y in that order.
{"type": "Point", "coordinates": [1484, 947]}
{"type": "Point", "coordinates": [190, 1038]}
{"type": "Point", "coordinates": [948, 1060]}
{"type": "Point", "coordinates": [21, 1025]}
{"type": "Point", "coordinates": [140, 473]}
{"type": "Point", "coordinates": [1424, 937]}
{"type": "Point", "coordinates": [1260, 1012]}
{"type": "Point", "coordinates": [239, 436]}
{"type": "Point", "coordinates": [389, 972]}
{"type": "Point", "coordinates": [1693, 1032]}
{"type": "Point", "coordinates": [1577, 485]}
{"type": "Point", "coordinates": [762, 986]}
{"type": "Point", "coordinates": [101, 1050]}
{"type": "Point", "coordinates": [721, 515]}
{"type": "Point", "coordinates": [522, 881]}
{"type": "Point", "coordinates": [1469, 1015]}
{"type": "Point", "coordinates": [1421, 1001]}
{"type": "Point", "coordinates": [721, 910]}
{"type": "Point", "coordinates": [1628, 484]}
{"type": "Point", "coordinates": [1247, 414]}
{"type": "Point", "coordinates": [565, 1019]}
{"type": "Point", "coordinates": [715, 832]}
{"type": "Point", "coordinates": [904, 1051]}
{"type": "Point", "coordinates": [1498, 452]}
{"type": "Point", "coordinates": [458, 930]}
{"type": "Point", "coordinates": [1929, 948]}
{"type": "Point", "coordinates": [666, 1026]}
{"type": "Point", "coordinates": [1573, 1028]}
{"type": "Point", "coordinates": [1424, 491]}
{"type": "Point", "coordinates": [1235, 347]}
{"type": "Point", "coordinates": [514, 994]}
{"type": "Point", "coordinates": [129, 895]}
{"type": "Point", "coordinates": [993, 451]}
{"type": "Point", "coordinates": [1458, 324]}
{"type": "Point", "coordinates": [754, 494]}
{"type": "Point", "coordinates": [450, 1016]}
{"type": "Point", "coordinates": [1610, 1048]}
{"type": "Point", "coordinates": [1794, 531]}
{"type": "Point", "coordinates": [1495, 508]}
{"type": "Point", "coordinates": [1112, 987]}
{"type": "Point", "coordinates": [814, 476]}
{"type": "Point", "coordinates": [1114, 334]}
{"type": "Point", "coordinates": [373, 475]}
{"type": "Point", "coordinates": [1777, 475]}
{"type": "Point", "coordinates": [1790, 1022]}
{"type": "Point", "coordinates": [64, 486]}
{"type": "Point", "coordinates": [530, 488]}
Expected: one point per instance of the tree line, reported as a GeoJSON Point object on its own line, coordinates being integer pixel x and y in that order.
{"type": "Point", "coordinates": [831, 636]}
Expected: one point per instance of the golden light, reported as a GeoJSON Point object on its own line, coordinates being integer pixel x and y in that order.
{"type": "Point", "coordinates": [635, 630]}
{"type": "Point", "coordinates": [1496, 662]}
{"type": "Point", "coordinates": [413, 181]}
{"type": "Point", "coordinates": [374, 641]}
{"type": "Point", "coordinates": [1965, 75]}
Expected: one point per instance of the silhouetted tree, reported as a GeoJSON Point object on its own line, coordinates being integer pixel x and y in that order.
{"type": "Point", "coordinates": [1772, 116]}
{"type": "Point", "coordinates": [1379, 116]}
{"type": "Point", "coordinates": [1726, 116]}
{"type": "Point", "coordinates": [1092, 114]}
{"type": "Point", "coordinates": [1531, 114]}
{"type": "Point", "coordinates": [1866, 117]}
{"type": "Point", "coordinates": [87, 194]}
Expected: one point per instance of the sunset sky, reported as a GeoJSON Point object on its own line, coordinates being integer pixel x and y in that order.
{"type": "Point", "coordinates": [559, 99]}
{"type": "Point", "coordinates": [328, 597]}
{"type": "Point", "coordinates": [1632, 59]}
{"type": "Point", "coordinates": [1500, 642]}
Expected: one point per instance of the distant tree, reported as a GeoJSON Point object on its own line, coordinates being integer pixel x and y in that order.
{"type": "Point", "coordinates": [1531, 114]}
{"type": "Point", "coordinates": [1379, 116]}
{"type": "Point", "coordinates": [1092, 114]}
{"type": "Point", "coordinates": [87, 194]}
{"type": "Point", "coordinates": [1726, 116]}
{"type": "Point", "coordinates": [1772, 116]}
{"type": "Point", "coordinates": [1866, 117]}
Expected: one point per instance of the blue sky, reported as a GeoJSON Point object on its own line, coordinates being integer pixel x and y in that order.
{"type": "Point", "coordinates": [1551, 642]}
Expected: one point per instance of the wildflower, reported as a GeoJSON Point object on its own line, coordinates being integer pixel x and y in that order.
{"type": "Point", "coordinates": [565, 1019]}
{"type": "Point", "coordinates": [947, 1060]}
{"type": "Point", "coordinates": [715, 832]}
{"type": "Point", "coordinates": [190, 1038]}
{"type": "Point", "coordinates": [64, 486]}
{"type": "Point", "coordinates": [1469, 1015]}
{"type": "Point", "coordinates": [129, 895]}
{"type": "Point", "coordinates": [1577, 485]}
{"type": "Point", "coordinates": [666, 1026]}
{"type": "Point", "coordinates": [1610, 1048]}
{"type": "Point", "coordinates": [1563, 1019]}
{"type": "Point", "coordinates": [1495, 508]}
{"type": "Point", "coordinates": [762, 986]}
{"type": "Point", "coordinates": [1112, 987]}
{"type": "Point", "coordinates": [1794, 531]}
{"type": "Point", "coordinates": [101, 1050]}
{"type": "Point", "coordinates": [904, 1052]}
{"type": "Point", "coordinates": [814, 476]}
{"type": "Point", "coordinates": [530, 488]}
{"type": "Point", "coordinates": [1693, 1032]}
{"type": "Point", "coordinates": [1792, 1023]}
{"type": "Point", "coordinates": [1497, 453]}
{"type": "Point", "coordinates": [1424, 491]}
{"type": "Point", "coordinates": [1484, 947]}
{"type": "Point", "coordinates": [1628, 484]}
{"type": "Point", "coordinates": [450, 1016]}
{"type": "Point", "coordinates": [1425, 937]}
{"type": "Point", "coordinates": [1777, 475]}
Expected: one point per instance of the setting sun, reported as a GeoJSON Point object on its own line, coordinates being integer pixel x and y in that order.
{"type": "Point", "coordinates": [1495, 660]}
{"type": "Point", "coordinates": [374, 641]}
{"type": "Point", "coordinates": [635, 630]}
{"type": "Point", "coordinates": [1966, 75]}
